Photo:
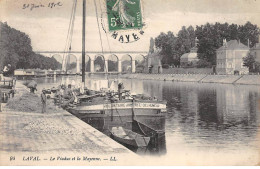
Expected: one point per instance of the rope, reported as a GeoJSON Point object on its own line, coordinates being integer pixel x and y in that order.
{"type": "Point", "coordinates": [101, 43]}
{"type": "Point", "coordinates": [106, 34]}
{"type": "Point", "coordinates": [73, 21]}
{"type": "Point", "coordinates": [70, 31]}
{"type": "Point", "coordinates": [105, 31]}
{"type": "Point", "coordinates": [98, 27]}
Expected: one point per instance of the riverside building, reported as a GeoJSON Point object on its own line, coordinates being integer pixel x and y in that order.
{"type": "Point", "coordinates": [230, 58]}
{"type": "Point", "coordinates": [191, 58]}
{"type": "Point", "coordinates": [255, 51]}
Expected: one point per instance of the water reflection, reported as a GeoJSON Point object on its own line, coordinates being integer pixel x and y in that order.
{"type": "Point", "coordinates": [200, 116]}
{"type": "Point", "coordinates": [207, 115]}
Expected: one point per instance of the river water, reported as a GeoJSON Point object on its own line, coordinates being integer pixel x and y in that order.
{"type": "Point", "coordinates": [204, 121]}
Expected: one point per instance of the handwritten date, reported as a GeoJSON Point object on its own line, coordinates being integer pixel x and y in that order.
{"type": "Point", "coordinates": [34, 6]}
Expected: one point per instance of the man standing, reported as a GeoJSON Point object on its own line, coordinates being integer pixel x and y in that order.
{"type": "Point", "coordinates": [57, 97]}
{"type": "Point", "coordinates": [120, 90]}
{"type": "Point", "coordinates": [43, 99]}
{"type": "Point", "coordinates": [32, 89]}
{"type": "Point", "coordinates": [11, 92]}
{"type": "Point", "coordinates": [32, 85]}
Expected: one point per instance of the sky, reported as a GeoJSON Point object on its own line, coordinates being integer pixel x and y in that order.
{"type": "Point", "coordinates": [47, 27]}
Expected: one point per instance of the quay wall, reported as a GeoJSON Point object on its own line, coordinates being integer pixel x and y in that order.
{"type": "Point", "coordinates": [187, 71]}
{"type": "Point", "coordinates": [54, 134]}
{"type": "Point", "coordinates": [200, 78]}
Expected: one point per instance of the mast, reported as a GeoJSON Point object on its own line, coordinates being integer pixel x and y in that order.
{"type": "Point", "coordinates": [83, 41]}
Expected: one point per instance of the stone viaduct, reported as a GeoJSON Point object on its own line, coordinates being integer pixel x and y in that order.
{"type": "Point", "coordinates": [92, 56]}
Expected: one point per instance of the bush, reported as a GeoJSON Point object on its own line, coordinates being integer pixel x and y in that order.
{"type": "Point", "coordinates": [203, 64]}
{"type": "Point", "coordinates": [236, 72]}
{"type": "Point", "coordinates": [165, 66]}
{"type": "Point", "coordinates": [140, 68]}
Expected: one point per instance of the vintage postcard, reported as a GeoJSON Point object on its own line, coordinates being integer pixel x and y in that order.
{"type": "Point", "coordinates": [130, 82]}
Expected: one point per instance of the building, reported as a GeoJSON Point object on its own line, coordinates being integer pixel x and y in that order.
{"type": "Point", "coordinates": [24, 72]}
{"type": "Point", "coordinates": [153, 63]}
{"type": "Point", "coordinates": [230, 58]}
{"type": "Point", "coordinates": [189, 59]}
{"type": "Point", "coordinates": [36, 72]}
{"type": "Point", "coordinates": [255, 51]}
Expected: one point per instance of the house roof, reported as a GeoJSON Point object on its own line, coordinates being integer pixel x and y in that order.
{"type": "Point", "coordinates": [234, 45]}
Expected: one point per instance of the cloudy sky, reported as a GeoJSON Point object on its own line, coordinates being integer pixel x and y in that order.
{"type": "Point", "coordinates": [48, 27]}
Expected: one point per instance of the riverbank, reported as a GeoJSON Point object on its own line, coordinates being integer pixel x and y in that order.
{"type": "Point", "coordinates": [54, 138]}
{"type": "Point", "coordinates": [201, 78]}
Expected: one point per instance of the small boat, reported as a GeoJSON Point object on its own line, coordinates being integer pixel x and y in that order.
{"type": "Point", "coordinates": [147, 130]}
{"type": "Point", "coordinates": [129, 137]}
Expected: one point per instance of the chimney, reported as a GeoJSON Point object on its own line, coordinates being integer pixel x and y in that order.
{"type": "Point", "coordinates": [238, 41]}
{"type": "Point", "coordinates": [224, 42]}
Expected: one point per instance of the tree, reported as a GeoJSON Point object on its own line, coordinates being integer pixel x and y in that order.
{"type": "Point", "coordinates": [248, 32]}
{"type": "Point", "coordinates": [233, 31]}
{"type": "Point", "coordinates": [151, 48]}
{"type": "Point", "coordinates": [203, 64]}
{"type": "Point", "coordinates": [16, 50]}
{"type": "Point", "coordinates": [8, 58]}
{"type": "Point", "coordinates": [166, 43]}
{"type": "Point", "coordinates": [210, 38]}
{"type": "Point", "coordinates": [249, 61]}
{"type": "Point", "coordinates": [185, 41]}
{"type": "Point", "coordinates": [172, 47]}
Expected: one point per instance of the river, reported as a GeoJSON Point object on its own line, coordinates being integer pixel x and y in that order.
{"type": "Point", "coordinates": [203, 120]}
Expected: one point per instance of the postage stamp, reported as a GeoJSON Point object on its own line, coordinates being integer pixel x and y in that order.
{"type": "Point", "coordinates": [124, 14]}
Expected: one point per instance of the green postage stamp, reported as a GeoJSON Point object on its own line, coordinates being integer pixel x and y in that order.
{"type": "Point", "coordinates": [124, 14]}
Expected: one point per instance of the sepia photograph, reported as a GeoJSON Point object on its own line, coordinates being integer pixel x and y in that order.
{"type": "Point", "coordinates": [129, 82]}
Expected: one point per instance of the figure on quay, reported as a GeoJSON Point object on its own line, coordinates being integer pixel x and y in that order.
{"type": "Point", "coordinates": [44, 100]}
{"type": "Point", "coordinates": [32, 86]}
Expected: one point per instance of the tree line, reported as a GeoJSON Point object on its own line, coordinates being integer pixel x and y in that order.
{"type": "Point", "coordinates": [16, 50]}
{"type": "Point", "coordinates": [210, 38]}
